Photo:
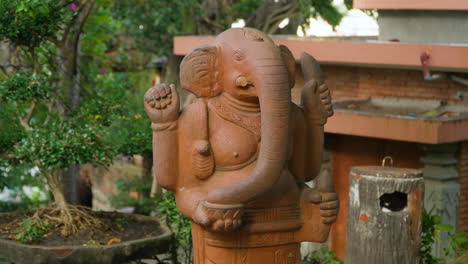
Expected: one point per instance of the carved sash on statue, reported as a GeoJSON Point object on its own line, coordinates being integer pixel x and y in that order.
{"type": "Point", "coordinates": [238, 155]}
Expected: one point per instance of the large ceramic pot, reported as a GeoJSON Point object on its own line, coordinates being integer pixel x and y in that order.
{"type": "Point", "coordinates": [102, 254]}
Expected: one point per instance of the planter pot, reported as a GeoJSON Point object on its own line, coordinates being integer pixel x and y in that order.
{"type": "Point", "coordinates": [79, 254]}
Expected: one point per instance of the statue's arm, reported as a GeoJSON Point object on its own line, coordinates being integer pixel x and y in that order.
{"type": "Point", "coordinates": [162, 106]}
{"type": "Point", "coordinates": [317, 107]}
{"type": "Point", "coordinates": [307, 145]}
{"type": "Point", "coordinates": [165, 154]}
{"type": "Point", "coordinates": [189, 200]}
{"type": "Point", "coordinates": [314, 134]}
{"type": "Point", "coordinates": [297, 163]}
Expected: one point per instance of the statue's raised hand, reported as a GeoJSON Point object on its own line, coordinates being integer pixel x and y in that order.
{"type": "Point", "coordinates": [316, 97]}
{"type": "Point", "coordinates": [316, 100]}
{"type": "Point", "coordinates": [162, 103]}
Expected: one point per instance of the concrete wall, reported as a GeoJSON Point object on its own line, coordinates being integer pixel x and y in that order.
{"type": "Point", "coordinates": [423, 26]}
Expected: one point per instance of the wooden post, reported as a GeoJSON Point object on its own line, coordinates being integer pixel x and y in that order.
{"type": "Point", "coordinates": [384, 216]}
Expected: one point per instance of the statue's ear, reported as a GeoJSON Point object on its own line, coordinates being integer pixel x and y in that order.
{"type": "Point", "coordinates": [199, 71]}
{"type": "Point", "coordinates": [288, 58]}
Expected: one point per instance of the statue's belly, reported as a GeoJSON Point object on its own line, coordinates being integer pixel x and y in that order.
{"type": "Point", "coordinates": [233, 146]}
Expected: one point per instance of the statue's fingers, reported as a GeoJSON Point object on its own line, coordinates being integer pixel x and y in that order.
{"type": "Point", "coordinates": [204, 221]}
{"type": "Point", "coordinates": [218, 225]}
{"type": "Point", "coordinates": [314, 196]}
{"type": "Point", "coordinates": [167, 89]}
{"type": "Point", "coordinates": [201, 217]}
{"type": "Point", "coordinates": [329, 205]}
{"type": "Point", "coordinates": [161, 93]}
{"type": "Point", "coordinates": [325, 94]}
{"type": "Point", "coordinates": [157, 104]}
{"type": "Point", "coordinates": [326, 101]}
{"type": "Point", "coordinates": [163, 104]}
{"type": "Point", "coordinates": [229, 214]}
{"type": "Point", "coordinates": [329, 220]}
{"type": "Point", "coordinates": [328, 213]}
{"type": "Point", "coordinates": [236, 223]}
{"type": "Point", "coordinates": [173, 88]}
{"type": "Point", "coordinates": [329, 196]}
{"type": "Point", "coordinates": [175, 94]}
{"type": "Point", "coordinates": [155, 93]}
{"type": "Point", "coordinates": [322, 88]}
{"type": "Point", "coordinates": [228, 224]}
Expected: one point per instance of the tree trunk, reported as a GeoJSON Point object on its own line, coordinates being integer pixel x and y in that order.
{"type": "Point", "coordinates": [68, 59]}
{"type": "Point", "coordinates": [147, 174]}
{"type": "Point", "coordinates": [270, 14]}
{"type": "Point", "coordinates": [69, 77]}
{"type": "Point", "coordinates": [10, 58]}
{"type": "Point", "coordinates": [214, 11]}
{"type": "Point", "coordinates": [53, 181]}
{"type": "Point", "coordinates": [384, 215]}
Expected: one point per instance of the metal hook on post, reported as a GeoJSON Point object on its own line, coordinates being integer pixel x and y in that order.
{"type": "Point", "coordinates": [385, 159]}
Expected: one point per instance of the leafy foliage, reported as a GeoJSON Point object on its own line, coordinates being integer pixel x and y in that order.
{"type": "Point", "coordinates": [29, 22]}
{"type": "Point", "coordinates": [124, 198]}
{"type": "Point", "coordinates": [63, 143]}
{"type": "Point", "coordinates": [458, 242]}
{"type": "Point", "coordinates": [323, 8]}
{"type": "Point", "coordinates": [428, 237]}
{"type": "Point", "coordinates": [11, 131]}
{"type": "Point", "coordinates": [32, 230]}
{"type": "Point", "coordinates": [246, 6]}
{"type": "Point", "coordinates": [321, 256]}
{"type": "Point", "coordinates": [37, 128]}
{"type": "Point", "coordinates": [168, 211]}
{"type": "Point", "coordinates": [165, 206]}
{"type": "Point", "coordinates": [432, 226]}
{"type": "Point", "coordinates": [153, 24]}
{"type": "Point", "coordinates": [24, 86]}
{"type": "Point", "coordinates": [179, 224]}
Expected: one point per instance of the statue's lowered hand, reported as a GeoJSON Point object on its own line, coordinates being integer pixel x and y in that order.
{"type": "Point", "coordinates": [162, 103]}
{"type": "Point", "coordinates": [218, 217]}
{"type": "Point", "coordinates": [328, 203]}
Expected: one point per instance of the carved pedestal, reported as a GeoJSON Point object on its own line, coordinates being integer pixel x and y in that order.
{"type": "Point", "coordinates": [442, 189]}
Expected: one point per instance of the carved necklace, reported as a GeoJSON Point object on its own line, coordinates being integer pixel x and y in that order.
{"type": "Point", "coordinates": [246, 115]}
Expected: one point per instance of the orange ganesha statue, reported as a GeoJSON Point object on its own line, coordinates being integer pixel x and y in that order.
{"type": "Point", "coordinates": [240, 152]}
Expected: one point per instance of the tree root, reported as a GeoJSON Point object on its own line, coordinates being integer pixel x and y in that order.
{"type": "Point", "coordinates": [69, 218]}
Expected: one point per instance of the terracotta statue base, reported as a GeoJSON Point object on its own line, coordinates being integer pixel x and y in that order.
{"type": "Point", "coordinates": [264, 247]}
{"type": "Point", "coordinates": [283, 230]}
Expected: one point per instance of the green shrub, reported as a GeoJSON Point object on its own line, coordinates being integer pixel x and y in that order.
{"type": "Point", "coordinates": [31, 230]}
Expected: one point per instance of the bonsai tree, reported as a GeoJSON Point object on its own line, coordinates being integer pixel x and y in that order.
{"type": "Point", "coordinates": [40, 97]}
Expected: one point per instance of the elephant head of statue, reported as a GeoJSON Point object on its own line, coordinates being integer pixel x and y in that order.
{"type": "Point", "coordinates": [249, 66]}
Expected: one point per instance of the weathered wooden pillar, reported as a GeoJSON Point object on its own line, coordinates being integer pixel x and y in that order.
{"type": "Point", "coordinates": [384, 215]}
